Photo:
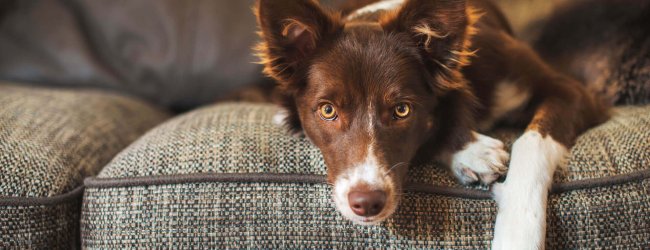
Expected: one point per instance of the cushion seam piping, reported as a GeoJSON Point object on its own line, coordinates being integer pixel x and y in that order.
{"type": "Point", "coordinates": [102, 183]}
{"type": "Point", "coordinates": [70, 196]}
{"type": "Point", "coordinates": [460, 192]}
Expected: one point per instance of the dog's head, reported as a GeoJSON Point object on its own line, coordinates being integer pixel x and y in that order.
{"type": "Point", "coordinates": [366, 93]}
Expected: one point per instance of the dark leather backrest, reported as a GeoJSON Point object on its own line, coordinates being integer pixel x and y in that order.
{"type": "Point", "coordinates": [176, 53]}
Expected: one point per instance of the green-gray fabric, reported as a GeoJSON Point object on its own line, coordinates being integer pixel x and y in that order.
{"type": "Point", "coordinates": [241, 138]}
{"type": "Point", "coordinates": [40, 227]}
{"type": "Point", "coordinates": [50, 139]}
{"type": "Point", "coordinates": [227, 138]}
{"type": "Point", "coordinates": [269, 216]}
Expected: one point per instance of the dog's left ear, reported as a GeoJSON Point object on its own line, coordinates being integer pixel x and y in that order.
{"type": "Point", "coordinates": [440, 28]}
{"type": "Point", "coordinates": [291, 31]}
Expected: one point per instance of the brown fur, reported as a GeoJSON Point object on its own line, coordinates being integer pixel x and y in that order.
{"type": "Point", "coordinates": [419, 54]}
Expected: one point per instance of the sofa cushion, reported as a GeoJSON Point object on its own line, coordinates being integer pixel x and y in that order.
{"type": "Point", "coordinates": [49, 141]}
{"type": "Point", "coordinates": [226, 176]}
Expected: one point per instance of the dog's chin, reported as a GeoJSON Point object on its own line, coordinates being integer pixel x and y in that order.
{"type": "Point", "coordinates": [345, 210]}
{"type": "Point", "coordinates": [368, 221]}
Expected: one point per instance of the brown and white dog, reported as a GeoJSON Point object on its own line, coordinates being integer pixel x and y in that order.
{"type": "Point", "coordinates": [386, 83]}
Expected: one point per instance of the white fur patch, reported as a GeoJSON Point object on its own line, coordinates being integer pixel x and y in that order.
{"type": "Point", "coordinates": [484, 159]}
{"type": "Point", "coordinates": [521, 221]}
{"type": "Point", "coordinates": [381, 5]}
{"type": "Point", "coordinates": [367, 172]}
{"type": "Point", "coordinates": [279, 117]}
{"type": "Point", "coordinates": [507, 97]}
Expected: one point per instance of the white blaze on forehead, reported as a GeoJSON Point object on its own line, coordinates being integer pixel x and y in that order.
{"type": "Point", "coordinates": [367, 172]}
{"type": "Point", "coordinates": [371, 126]}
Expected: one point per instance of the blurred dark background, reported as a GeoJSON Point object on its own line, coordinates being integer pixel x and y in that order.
{"type": "Point", "coordinates": [176, 53]}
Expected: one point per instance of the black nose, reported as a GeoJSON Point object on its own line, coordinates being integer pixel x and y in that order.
{"type": "Point", "coordinates": [367, 203]}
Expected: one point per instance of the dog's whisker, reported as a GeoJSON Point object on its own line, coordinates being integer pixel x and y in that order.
{"type": "Point", "coordinates": [395, 166]}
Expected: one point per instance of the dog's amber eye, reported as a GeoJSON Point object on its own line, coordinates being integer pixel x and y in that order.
{"type": "Point", "coordinates": [402, 110]}
{"type": "Point", "coordinates": [328, 112]}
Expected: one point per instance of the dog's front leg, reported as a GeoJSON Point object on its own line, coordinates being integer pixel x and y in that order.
{"type": "Point", "coordinates": [522, 198]}
{"type": "Point", "coordinates": [563, 110]}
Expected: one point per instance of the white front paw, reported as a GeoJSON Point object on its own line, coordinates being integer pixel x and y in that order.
{"type": "Point", "coordinates": [482, 160]}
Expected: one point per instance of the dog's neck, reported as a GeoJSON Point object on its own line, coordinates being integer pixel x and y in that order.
{"type": "Point", "coordinates": [384, 5]}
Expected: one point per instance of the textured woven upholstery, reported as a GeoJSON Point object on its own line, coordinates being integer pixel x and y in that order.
{"type": "Point", "coordinates": [49, 141]}
{"type": "Point", "coordinates": [54, 226]}
{"type": "Point", "coordinates": [226, 176]}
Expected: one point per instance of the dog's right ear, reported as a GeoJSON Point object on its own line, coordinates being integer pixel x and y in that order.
{"type": "Point", "coordinates": [291, 31]}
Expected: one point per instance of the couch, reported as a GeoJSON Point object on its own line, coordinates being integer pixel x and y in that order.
{"type": "Point", "coordinates": [110, 139]}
